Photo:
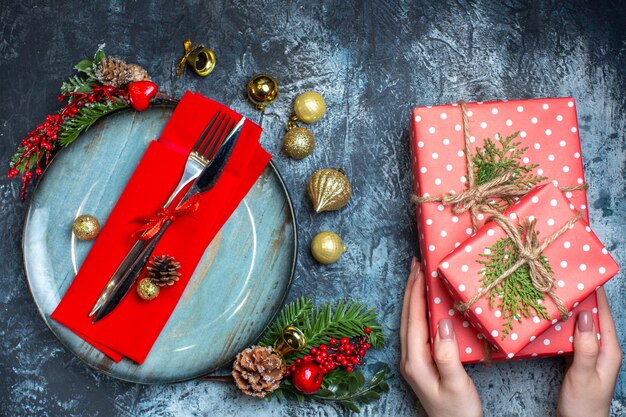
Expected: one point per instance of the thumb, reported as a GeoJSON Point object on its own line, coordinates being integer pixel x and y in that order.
{"type": "Point", "coordinates": [585, 345]}
{"type": "Point", "coordinates": [446, 354]}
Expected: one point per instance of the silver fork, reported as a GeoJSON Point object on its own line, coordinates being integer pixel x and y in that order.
{"type": "Point", "coordinates": [203, 151]}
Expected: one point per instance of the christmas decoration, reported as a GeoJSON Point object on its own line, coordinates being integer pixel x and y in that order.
{"type": "Point", "coordinates": [528, 270]}
{"type": "Point", "coordinates": [258, 370]}
{"type": "Point", "coordinates": [327, 247]}
{"type": "Point", "coordinates": [116, 72]}
{"type": "Point", "coordinates": [86, 227]}
{"type": "Point", "coordinates": [262, 90]}
{"type": "Point", "coordinates": [443, 141]}
{"type": "Point", "coordinates": [147, 289]}
{"type": "Point", "coordinates": [307, 377]}
{"type": "Point", "coordinates": [325, 345]}
{"type": "Point", "coordinates": [140, 93]}
{"type": "Point", "coordinates": [298, 142]}
{"type": "Point", "coordinates": [309, 107]}
{"type": "Point", "coordinates": [88, 99]}
{"type": "Point", "coordinates": [329, 189]}
{"type": "Point", "coordinates": [163, 270]}
{"type": "Point", "coordinates": [201, 59]}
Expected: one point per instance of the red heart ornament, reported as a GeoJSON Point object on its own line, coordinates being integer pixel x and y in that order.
{"type": "Point", "coordinates": [140, 93]}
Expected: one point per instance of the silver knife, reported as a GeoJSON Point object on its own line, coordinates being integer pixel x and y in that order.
{"type": "Point", "coordinates": [120, 284]}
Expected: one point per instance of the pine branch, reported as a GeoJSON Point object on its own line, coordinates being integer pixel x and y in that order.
{"type": "Point", "coordinates": [87, 116]}
{"type": "Point", "coordinates": [292, 314]}
{"type": "Point", "coordinates": [515, 296]}
{"type": "Point", "coordinates": [501, 156]}
{"type": "Point", "coordinates": [76, 83]}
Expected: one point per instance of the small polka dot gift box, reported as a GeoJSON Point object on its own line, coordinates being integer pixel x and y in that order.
{"type": "Point", "coordinates": [526, 270]}
{"type": "Point", "coordinates": [442, 141]}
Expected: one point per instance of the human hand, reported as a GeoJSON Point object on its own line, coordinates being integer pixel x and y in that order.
{"type": "Point", "coordinates": [589, 383]}
{"type": "Point", "coordinates": [441, 383]}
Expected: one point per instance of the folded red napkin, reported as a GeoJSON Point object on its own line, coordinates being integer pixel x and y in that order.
{"type": "Point", "coordinates": [132, 328]}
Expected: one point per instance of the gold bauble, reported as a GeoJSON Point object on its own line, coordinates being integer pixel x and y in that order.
{"type": "Point", "coordinates": [309, 107]}
{"type": "Point", "coordinates": [329, 189]}
{"type": "Point", "coordinates": [327, 247]}
{"type": "Point", "coordinates": [262, 90]}
{"type": "Point", "coordinates": [86, 227]}
{"type": "Point", "coordinates": [147, 289]}
{"type": "Point", "coordinates": [298, 143]}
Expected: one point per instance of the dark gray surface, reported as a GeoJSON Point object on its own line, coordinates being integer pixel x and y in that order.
{"type": "Point", "coordinates": [373, 63]}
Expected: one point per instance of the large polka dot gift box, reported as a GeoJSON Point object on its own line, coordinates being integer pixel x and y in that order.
{"type": "Point", "coordinates": [549, 130]}
{"type": "Point", "coordinates": [515, 312]}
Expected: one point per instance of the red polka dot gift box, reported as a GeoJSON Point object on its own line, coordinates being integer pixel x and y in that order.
{"type": "Point", "coordinates": [525, 270]}
{"type": "Point", "coordinates": [442, 141]}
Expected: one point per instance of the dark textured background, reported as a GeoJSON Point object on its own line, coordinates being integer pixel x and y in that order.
{"type": "Point", "coordinates": [372, 62]}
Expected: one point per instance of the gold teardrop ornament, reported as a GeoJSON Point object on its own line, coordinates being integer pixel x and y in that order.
{"type": "Point", "coordinates": [298, 143]}
{"type": "Point", "coordinates": [329, 189]}
{"type": "Point", "coordinates": [327, 247]}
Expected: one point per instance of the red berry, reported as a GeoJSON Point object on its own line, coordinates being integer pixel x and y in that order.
{"type": "Point", "coordinates": [323, 348]}
{"type": "Point", "coordinates": [298, 360]}
{"type": "Point", "coordinates": [349, 369]}
{"type": "Point", "coordinates": [313, 351]}
{"type": "Point", "coordinates": [333, 341]}
{"type": "Point", "coordinates": [38, 171]}
{"type": "Point", "coordinates": [345, 340]}
{"type": "Point", "coordinates": [342, 348]}
{"type": "Point", "coordinates": [367, 330]}
{"type": "Point", "coordinates": [292, 367]}
{"type": "Point", "coordinates": [367, 346]}
{"type": "Point", "coordinates": [362, 352]}
{"type": "Point", "coordinates": [308, 378]}
{"type": "Point", "coordinates": [344, 362]}
{"type": "Point", "coordinates": [307, 358]}
{"type": "Point", "coordinates": [318, 359]}
{"type": "Point", "coordinates": [354, 360]}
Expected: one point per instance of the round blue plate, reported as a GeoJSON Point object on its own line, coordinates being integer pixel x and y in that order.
{"type": "Point", "coordinates": [235, 291]}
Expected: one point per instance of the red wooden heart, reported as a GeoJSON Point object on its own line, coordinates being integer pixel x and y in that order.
{"type": "Point", "coordinates": [140, 93]}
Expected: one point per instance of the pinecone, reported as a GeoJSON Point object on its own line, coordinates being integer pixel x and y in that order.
{"type": "Point", "coordinates": [258, 370]}
{"type": "Point", "coordinates": [163, 270]}
{"type": "Point", "coordinates": [116, 72]}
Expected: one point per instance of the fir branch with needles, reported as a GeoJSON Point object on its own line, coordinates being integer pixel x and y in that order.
{"type": "Point", "coordinates": [515, 296]}
{"type": "Point", "coordinates": [503, 155]}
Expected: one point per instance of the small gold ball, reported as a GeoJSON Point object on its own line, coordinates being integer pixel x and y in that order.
{"type": "Point", "coordinates": [262, 90]}
{"type": "Point", "coordinates": [309, 107]}
{"type": "Point", "coordinates": [327, 247]}
{"type": "Point", "coordinates": [86, 227]}
{"type": "Point", "coordinates": [147, 289]}
{"type": "Point", "coordinates": [298, 143]}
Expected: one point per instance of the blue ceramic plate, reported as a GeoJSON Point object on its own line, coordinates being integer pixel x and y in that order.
{"type": "Point", "coordinates": [235, 291]}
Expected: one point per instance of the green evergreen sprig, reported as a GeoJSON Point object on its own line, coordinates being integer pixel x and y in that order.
{"type": "Point", "coordinates": [87, 116]}
{"type": "Point", "coordinates": [515, 296]}
{"type": "Point", "coordinates": [499, 157]}
{"type": "Point", "coordinates": [319, 325]}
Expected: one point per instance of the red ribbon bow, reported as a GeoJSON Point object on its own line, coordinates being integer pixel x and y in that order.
{"type": "Point", "coordinates": [153, 224]}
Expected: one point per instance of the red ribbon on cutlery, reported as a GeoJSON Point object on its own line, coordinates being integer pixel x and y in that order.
{"type": "Point", "coordinates": [132, 328]}
{"type": "Point", "coordinates": [153, 224]}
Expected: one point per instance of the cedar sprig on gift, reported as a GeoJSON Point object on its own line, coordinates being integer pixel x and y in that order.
{"type": "Point", "coordinates": [515, 296]}
{"type": "Point", "coordinates": [500, 157]}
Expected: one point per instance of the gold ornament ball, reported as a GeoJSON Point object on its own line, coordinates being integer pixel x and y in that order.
{"type": "Point", "coordinates": [298, 143]}
{"type": "Point", "coordinates": [86, 227]}
{"type": "Point", "coordinates": [147, 289]}
{"type": "Point", "coordinates": [309, 107]}
{"type": "Point", "coordinates": [327, 247]}
{"type": "Point", "coordinates": [262, 90]}
{"type": "Point", "coordinates": [329, 189]}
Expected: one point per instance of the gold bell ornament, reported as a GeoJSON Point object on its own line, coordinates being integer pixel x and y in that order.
{"type": "Point", "coordinates": [327, 247]}
{"type": "Point", "coordinates": [329, 189]}
{"type": "Point", "coordinates": [86, 227]}
{"type": "Point", "coordinates": [291, 340]}
{"type": "Point", "coordinates": [201, 59]}
{"type": "Point", "coordinates": [262, 90]}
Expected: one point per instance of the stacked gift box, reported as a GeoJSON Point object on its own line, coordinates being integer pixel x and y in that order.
{"type": "Point", "coordinates": [527, 154]}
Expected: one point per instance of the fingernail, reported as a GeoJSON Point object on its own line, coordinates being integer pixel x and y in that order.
{"type": "Point", "coordinates": [413, 263]}
{"type": "Point", "coordinates": [446, 331]}
{"type": "Point", "coordinates": [585, 321]}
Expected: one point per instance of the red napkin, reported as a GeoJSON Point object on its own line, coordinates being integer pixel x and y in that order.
{"type": "Point", "coordinates": [132, 328]}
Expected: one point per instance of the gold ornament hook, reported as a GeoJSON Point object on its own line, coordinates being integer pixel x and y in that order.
{"type": "Point", "coordinates": [201, 59]}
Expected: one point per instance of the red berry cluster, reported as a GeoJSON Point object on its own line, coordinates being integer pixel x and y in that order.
{"type": "Point", "coordinates": [40, 141]}
{"type": "Point", "coordinates": [342, 353]}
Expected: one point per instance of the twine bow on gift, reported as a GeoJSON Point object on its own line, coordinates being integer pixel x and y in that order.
{"type": "Point", "coordinates": [153, 224]}
{"type": "Point", "coordinates": [529, 252]}
{"type": "Point", "coordinates": [476, 197]}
